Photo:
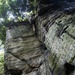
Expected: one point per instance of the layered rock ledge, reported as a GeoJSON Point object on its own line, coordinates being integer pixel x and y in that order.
{"type": "Point", "coordinates": [24, 54]}
{"type": "Point", "coordinates": [57, 30]}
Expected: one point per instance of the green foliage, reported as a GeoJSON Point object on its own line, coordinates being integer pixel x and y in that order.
{"type": "Point", "coordinates": [4, 6]}
{"type": "Point", "coordinates": [2, 33]}
{"type": "Point", "coordinates": [1, 63]}
{"type": "Point", "coordinates": [34, 4]}
{"type": "Point", "coordinates": [16, 7]}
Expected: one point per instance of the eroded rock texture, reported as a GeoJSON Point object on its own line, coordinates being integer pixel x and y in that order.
{"type": "Point", "coordinates": [24, 54]}
{"type": "Point", "coordinates": [56, 29]}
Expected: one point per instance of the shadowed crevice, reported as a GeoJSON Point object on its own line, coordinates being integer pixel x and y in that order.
{"type": "Point", "coordinates": [69, 68]}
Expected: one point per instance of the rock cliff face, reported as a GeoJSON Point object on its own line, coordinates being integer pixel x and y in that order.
{"type": "Point", "coordinates": [24, 53]}
{"type": "Point", "coordinates": [57, 31]}
{"type": "Point", "coordinates": [51, 52]}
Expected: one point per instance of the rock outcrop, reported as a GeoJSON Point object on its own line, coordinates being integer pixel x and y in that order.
{"type": "Point", "coordinates": [24, 54]}
{"type": "Point", "coordinates": [51, 51]}
{"type": "Point", "coordinates": [56, 29]}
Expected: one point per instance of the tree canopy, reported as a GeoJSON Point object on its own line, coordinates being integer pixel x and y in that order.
{"type": "Point", "coordinates": [13, 11]}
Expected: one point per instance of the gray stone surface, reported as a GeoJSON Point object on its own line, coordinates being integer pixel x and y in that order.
{"type": "Point", "coordinates": [58, 34]}
{"type": "Point", "coordinates": [24, 53]}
